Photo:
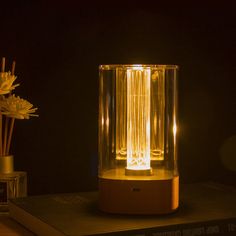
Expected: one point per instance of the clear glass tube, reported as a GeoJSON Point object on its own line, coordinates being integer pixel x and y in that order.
{"type": "Point", "coordinates": [138, 121]}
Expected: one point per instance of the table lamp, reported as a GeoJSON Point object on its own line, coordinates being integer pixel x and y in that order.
{"type": "Point", "coordinates": [138, 172]}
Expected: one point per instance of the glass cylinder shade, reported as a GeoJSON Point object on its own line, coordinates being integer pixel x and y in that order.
{"type": "Point", "coordinates": [137, 127]}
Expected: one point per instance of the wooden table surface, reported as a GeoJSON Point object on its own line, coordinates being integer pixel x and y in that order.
{"type": "Point", "coordinates": [9, 227]}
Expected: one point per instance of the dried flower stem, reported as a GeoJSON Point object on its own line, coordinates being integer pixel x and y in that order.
{"type": "Point", "coordinates": [10, 135]}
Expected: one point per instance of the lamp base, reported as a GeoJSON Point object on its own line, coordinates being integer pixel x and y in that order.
{"type": "Point", "coordinates": [139, 196]}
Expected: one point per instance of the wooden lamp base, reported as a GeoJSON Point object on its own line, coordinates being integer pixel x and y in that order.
{"type": "Point", "coordinates": [139, 196]}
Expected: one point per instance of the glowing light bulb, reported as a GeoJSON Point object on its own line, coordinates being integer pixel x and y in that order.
{"type": "Point", "coordinates": [174, 129]}
{"type": "Point", "coordinates": [138, 118]}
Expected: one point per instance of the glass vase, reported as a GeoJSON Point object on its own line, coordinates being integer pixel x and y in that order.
{"type": "Point", "coordinates": [12, 183]}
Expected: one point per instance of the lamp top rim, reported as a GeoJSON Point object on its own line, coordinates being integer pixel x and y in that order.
{"type": "Point", "coordinates": [131, 66]}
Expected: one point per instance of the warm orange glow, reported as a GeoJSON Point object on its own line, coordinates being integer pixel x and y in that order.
{"type": "Point", "coordinates": [175, 129]}
{"type": "Point", "coordinates": [138, 118]}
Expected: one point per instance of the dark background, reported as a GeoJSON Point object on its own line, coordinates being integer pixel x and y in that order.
{"type": "Point", "coordinates": [58, 47]}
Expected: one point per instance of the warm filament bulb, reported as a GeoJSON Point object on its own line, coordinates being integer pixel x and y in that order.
{"type": "Point", "coordinates": [174, 129]}
{"type": "Point", "coordinates": [138, 118]}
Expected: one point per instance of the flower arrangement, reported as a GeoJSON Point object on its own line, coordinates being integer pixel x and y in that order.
{"type": "Point", "coordinates": [11, 107]}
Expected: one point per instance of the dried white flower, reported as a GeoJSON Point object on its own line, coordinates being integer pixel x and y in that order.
{"type": "Point", "coordinates": [17, 107]}
{"type": "Point", "coordinates": [6, 82]}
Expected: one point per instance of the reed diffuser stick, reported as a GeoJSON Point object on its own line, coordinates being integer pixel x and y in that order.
{"type": "Point", "coordinates": [2, 69]}
{"type": "Point", "coordinates": [13, 67]}
{"type": "Point", "coordinates": [5, 136]}
{"type": "Point", "coordinates": [3, 64]}
{"type": "Point", "coordinates": [10, 135]}
{"type": "Point", "coordinates": [6, 146]}
{"type": "Point", "coordinates": [6, 129]}
{"type": "Point", "coordinates": [11, 106]}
